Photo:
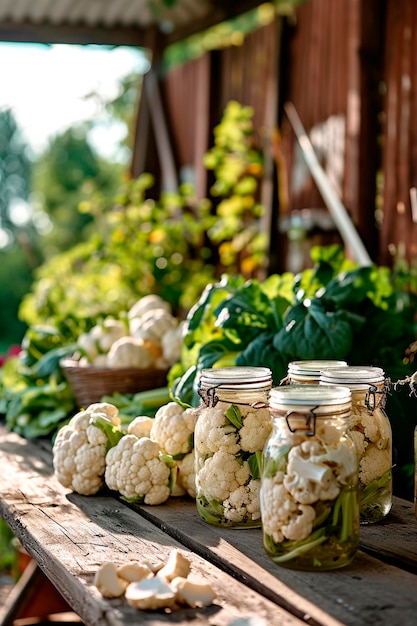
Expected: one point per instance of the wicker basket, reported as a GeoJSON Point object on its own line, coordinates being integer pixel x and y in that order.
{"type": "Point", "coordinates": [90, 384]}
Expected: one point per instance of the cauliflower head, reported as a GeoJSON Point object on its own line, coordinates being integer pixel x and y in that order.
{"type": "Point", "coordinates": [173, 429]}
{"type": "Point", "coordinates": [222, 474]}
{"type": "Point", "coordinates": [282, 516]}
{"type": "Point", "coordinates": [186, 474]}
{"type": "Point", "coordinates": [373, 464]}
{"type": "Point", "coordinates": [214, 433]}
{"type": "Point", "coordinates": [257, 426]}
{"type": "Point", "coordinates": [309, 475]}
{"type": "Point", "coordinates": [79, 450]}
{"type": "Point", "coordinates": [134, 469]}
{"type": "Point", "coordinates": [243, 503]}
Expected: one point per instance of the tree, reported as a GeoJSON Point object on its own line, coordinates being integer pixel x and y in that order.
{"type": "Point", "coordinates": [18, 236]}
{"type": "Point", "coordinates": [68, 170]}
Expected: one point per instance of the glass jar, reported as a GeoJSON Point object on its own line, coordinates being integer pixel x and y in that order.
{"type": "Point", "coordinates": [371, 433]}
{"type": "Point", "coordinates": [308, 371]}
{"type": "Point", "coordinates": [309, 487]}
{"type": "Point", "coordinates": [232, 428]}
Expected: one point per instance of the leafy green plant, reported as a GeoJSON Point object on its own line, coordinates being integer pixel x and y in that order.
{"type": "Point", "coordinates": [238, 170]}
{"type": "Point", "coordinates": [173, 246]}
{"type": "Point", "coordinates": [139, 245]}
{"type": "Point", "coordinates": [335, 310]}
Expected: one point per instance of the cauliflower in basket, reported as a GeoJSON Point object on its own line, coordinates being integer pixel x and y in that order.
{"type": "Point", "coordinates": [137, 470]}
{"type": "Point", "coordinates": [80, 448]}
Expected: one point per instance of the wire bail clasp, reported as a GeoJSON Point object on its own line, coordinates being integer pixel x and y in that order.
{"type": "Point", "coordinates": [209, 396]}
{"type": "Point", "coordinates": [310, 422]}
{"type": "Point", "coordinates": [371, 400]}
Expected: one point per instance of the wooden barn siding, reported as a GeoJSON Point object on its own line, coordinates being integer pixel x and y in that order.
{"type": "Point", "coordinates": [338, 56]}
{"type": "Point", "coordinates": [398, 231]}
{"type": "Point", "coordinates": [196, 93]}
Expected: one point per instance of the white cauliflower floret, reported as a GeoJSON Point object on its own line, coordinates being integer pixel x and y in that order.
{"type": "Point", "coordinates": [135, 470]}
{"type": "Point", "coordinates": [283, 517]}
{"type": "Point", "coordinates": [79, 449]}
{"type": "Point", "coordinates": [186, 474]}
{"type": "Point", "coordinates": [308, 480]}
{"type": "Point", "coordinates": [359, 442]}
{"type": "Point", "coordinates": [370, 426]}
{"type": "Point", "coordinates": [173, 428]}
{"type": "Point", "coordinates": [213, 433]}
{"type": "Point", "coordinates": [257, 426]}
{"type": "Point", "coordinates": [373, 464]}
{"type": "Point", "coordinates": [220, 475]}
{"type": "Point", "coordinates": [171, 343]}
{"type": "Point", "coordinates": [141, 426]}
{"type": "Point", "coordinates": [243, 503]}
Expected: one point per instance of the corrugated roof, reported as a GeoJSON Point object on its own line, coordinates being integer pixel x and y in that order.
{"type": "Point", "coordinates": [125, 22]}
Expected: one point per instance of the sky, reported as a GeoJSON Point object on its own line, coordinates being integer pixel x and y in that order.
{"type": "Point", "coordinates": [45, 86]}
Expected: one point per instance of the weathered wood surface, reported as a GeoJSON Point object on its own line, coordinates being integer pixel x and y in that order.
{"type": "Point", "coordinates": [367, 591]}
{"type": "Point", "coordinates": [69, 536]}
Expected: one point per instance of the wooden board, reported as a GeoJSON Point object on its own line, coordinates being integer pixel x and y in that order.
{"type": "Point", "coordinates": [70, 536]}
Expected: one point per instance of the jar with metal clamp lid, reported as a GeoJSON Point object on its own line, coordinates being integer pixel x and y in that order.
{"type": "Point", "coordinates": [232, 428]}
{"type": "Point", "coordinates": [371, 432]}
{"type": "Point", "coordinates": [309, 486]}
{"type": "Point", "coordinates": [308, 371]}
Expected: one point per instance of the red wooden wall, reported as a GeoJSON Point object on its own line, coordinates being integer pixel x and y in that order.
{"type": "Point", "coordinates": [350, 69]}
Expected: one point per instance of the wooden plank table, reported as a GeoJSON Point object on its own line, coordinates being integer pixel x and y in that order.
{"type": "Point", "coordinates": [69, 536]}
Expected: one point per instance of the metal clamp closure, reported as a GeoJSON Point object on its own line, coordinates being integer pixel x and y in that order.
{"type": "Point", "coordinates": [371, 400]}
{"type": "Point", "coordinates": [310, 422]}
{"type": "Point", "coordinates": [209, 396]}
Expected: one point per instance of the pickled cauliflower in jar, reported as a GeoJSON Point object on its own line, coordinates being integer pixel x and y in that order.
{"type": "Point", "coordinates": [228, 443]}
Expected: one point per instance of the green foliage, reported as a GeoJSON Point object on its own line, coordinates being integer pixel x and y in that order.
{"type": "Point", "coordinates": [8, 550]}
{"type": "Point", "coordinates": [15, 168]}
{"type": "Point", "coordinates": [14, 263]}
{"type": "Point", "coordinates": [139, 246]}
{"type": "Point", "coordinates": [170, 246]}
{"type": "Point", "coordinates": [228, 33]}
{"type": "Point", "coordinates": [332, 311]}
{"type": "Point", "coordinates": [67, 171]}
{"type": "Point", "coordinates": [238, 171]}
{"type": "Point", "coordinates": [35, 398]}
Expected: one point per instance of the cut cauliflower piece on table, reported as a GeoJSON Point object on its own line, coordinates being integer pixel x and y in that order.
{"type": "Point", "coordinates": [173, 429]}
{"type": "Point", "coordinates": [138, 471]}
{"type": "Point", "coordinates": [108, 581]}
{"type": "Point", "coordinates": [80, 448]}
{"type": "Point", "coordinates": [150, 594]}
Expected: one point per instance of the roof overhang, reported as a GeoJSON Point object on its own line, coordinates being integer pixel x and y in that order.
{"type": "Point", "coordinates": [112, 22]}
